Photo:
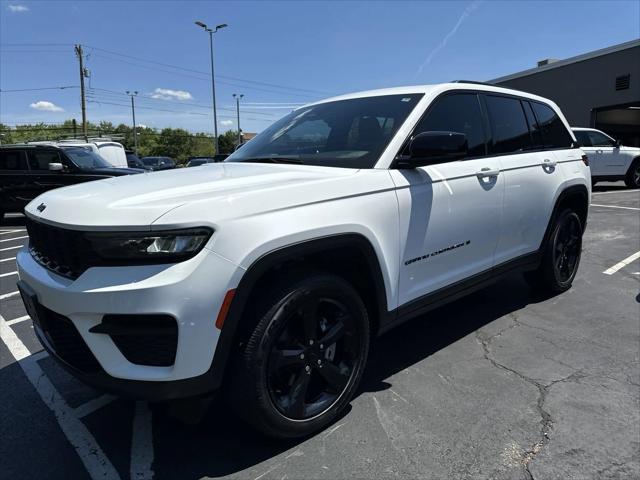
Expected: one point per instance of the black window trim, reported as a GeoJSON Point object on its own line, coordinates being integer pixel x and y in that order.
{"type": "Point", "coordinates": [25, 158]}
{"type": "Point", "coordinates": [487, 125]}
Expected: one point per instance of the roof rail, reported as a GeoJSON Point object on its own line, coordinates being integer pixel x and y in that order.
{"type": "Point", "coordinates": [475, 82]}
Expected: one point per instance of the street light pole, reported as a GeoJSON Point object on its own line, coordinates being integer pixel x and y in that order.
{"type": "Point", "coordinates": [133, 112]}
{"type": "Point", "coordinates": [238, 97]}
{"type": "Point", "coordinates": [213, 79]}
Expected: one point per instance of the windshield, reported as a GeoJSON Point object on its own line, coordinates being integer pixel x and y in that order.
{"type": "Point", "coordinates": [345, 133]}
{"type": "Point", "coordinates": [85, 158]}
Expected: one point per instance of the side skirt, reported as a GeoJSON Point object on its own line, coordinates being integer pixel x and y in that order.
{"type": "Point", "coordinates": [460, 289]}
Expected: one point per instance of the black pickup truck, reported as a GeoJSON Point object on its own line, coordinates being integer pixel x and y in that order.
{"type": "Point", "coordinates": [26, 171]}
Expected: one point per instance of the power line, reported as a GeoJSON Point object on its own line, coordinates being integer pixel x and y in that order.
{"type": "Point", "coordinates": [36, 89]}
{"type": "Point", "coordinates": [118, 95]}
{"type": "Point", "coordinates": [207, 74]}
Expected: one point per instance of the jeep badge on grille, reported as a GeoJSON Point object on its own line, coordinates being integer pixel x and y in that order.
{"type": "Point", "coordinates": [41, 207]}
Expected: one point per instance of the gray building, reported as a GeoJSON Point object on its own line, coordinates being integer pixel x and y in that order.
{"type": "Point", "coordinates": [600, 89]}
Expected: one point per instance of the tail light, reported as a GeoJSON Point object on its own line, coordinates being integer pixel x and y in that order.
{"type": "Point", "coordinates": [585, 160]}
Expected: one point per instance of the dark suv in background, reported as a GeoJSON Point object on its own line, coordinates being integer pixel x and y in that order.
{"type": "Point", "coordinates": [159, 163]}
{"type": "Point", "coordinates": [26, 171]}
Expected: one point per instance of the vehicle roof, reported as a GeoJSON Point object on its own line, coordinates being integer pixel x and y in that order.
{"type": "Point", "coordinates": [29, 145]}
{"type": "Point", "coordinates": [434, 89]}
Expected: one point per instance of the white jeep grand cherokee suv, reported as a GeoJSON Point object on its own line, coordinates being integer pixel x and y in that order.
{"type": "Point", "coordinates": [268, 274]}
{"type": "Point", "coordinates": [610, 161]}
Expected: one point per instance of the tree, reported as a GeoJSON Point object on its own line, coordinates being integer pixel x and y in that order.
{"type": "Point", "coordinates": [228, 141]}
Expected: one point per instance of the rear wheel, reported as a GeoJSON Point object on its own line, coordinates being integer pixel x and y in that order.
{"type": "Point", "coordinates": [561, 255]}
{"type": "Point", "coordinates": [633, 175]}
{"type": "Point", "coordinates": [304, 358]}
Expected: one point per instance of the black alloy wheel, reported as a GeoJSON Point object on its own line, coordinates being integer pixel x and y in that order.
{"type": "Point", "coordinates": [303, 357]}
{"type": "Point", "coordinates": [567, 247]}
{"type": "Point", "coordinates": [313, 358]}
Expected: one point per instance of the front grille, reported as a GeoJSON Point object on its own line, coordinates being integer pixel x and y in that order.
{"type": "Point", "coordinates": [65, 252]}
{"type": "Point", "coordinates": [66, 341]}
{"type": "Point", "coordinates": [150, 340]}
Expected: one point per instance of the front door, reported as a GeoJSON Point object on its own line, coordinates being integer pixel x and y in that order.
{"type": "Point", "coordinates": [450, 213]}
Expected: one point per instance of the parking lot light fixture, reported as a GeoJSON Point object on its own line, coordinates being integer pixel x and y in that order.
{"type": "Point", "coordinates": [211, 31]}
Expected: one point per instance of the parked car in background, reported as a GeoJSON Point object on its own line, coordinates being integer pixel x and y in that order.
{"type": "Point", "coordinates": [133, 161]}
{"type": "Point", "coordinates": [27, 171]}
{"type": "Point", "coordinates": [270, 276]}
{"type": "Point", "coordinates": [609, 159]}
{"type": "Point", "coordinates": [197, 161]}
{"type": "Point", "coordinates": [159, 163]}
{"type": "Point", "coordinates": [112, 152]}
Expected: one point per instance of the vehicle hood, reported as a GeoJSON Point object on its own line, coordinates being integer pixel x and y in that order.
{"type": "Point", "coordinates": [114, 171]}
{"type": "Point", "coordinates": [209, 193]}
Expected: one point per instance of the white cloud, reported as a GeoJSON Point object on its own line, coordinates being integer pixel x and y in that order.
{"type": "Point", "coordinates": [17, 8]}
{"type": "Point", "coordinates": [226, 123]}
{"type": "Point", "coordinates": [168, 94]}
{"type": "Point", "coordinates": [45, 106]}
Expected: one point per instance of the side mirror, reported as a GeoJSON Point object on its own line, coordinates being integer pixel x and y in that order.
{"type": "Point", "coordinates": [428, 148]}
{"type": "Point", "coordinates": [618, 143]}
{"type": "Point", "coordinates": [56, 167]}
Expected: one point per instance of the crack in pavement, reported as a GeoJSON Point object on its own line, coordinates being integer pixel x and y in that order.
{"type": "Point", "coordinates": [546, 421]}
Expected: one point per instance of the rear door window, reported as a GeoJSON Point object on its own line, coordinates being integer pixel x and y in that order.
{"type": "Point", "coordinates": [554, 133]}
{"type": "Point", "coordinates": [582, 137]}
{"type": "Point", "coordinates": [458, 112]}
{"type": "Point", "coordinates": [508, 125]}
{"type": "Point", "coordinates": [13, 160]}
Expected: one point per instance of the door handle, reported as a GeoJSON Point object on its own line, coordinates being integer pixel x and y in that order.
{"type": "Point", "coordinates": [549, 163]}
{"type": "Point", "coordinates": [488, 172]}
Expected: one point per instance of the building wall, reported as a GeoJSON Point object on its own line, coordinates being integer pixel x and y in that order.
{"type": "Point", "coordinates": [584, 85]}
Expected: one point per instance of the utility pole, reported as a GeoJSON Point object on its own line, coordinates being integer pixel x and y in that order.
{"type": "Point", "coordinates": [213, 79]}
{"type": "Point", "coordinates": [80, 54]}
{"type": "Point", "coordinates": [133, 112]}
{"type": "Point", "coordinates": [238, 97]}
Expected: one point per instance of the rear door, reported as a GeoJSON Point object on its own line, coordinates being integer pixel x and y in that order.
{"type": "Point", "coordinates": [449, 212]}
{"type": "Point", "coordinates": [531, 174]}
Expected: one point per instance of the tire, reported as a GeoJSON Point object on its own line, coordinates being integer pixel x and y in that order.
{"type": "Point", "coordinates": [561, 255]}
{"type": "Point", "coordinates": [312, 336]}
{"type": "Point", "coordinates": [632, 178]}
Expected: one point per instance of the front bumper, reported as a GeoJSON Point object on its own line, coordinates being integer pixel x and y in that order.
{"type": "Point", "coordinates": [191, 292]}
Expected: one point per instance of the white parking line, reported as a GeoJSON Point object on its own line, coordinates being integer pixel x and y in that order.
{"type": "Point", "coordinates": [12, 239]}
{"type": "Point", "coordinates": [7, 232]}
{"type": "Point", "coordinates": [9, 295]}
{"type": "Point", "coordinates": [614, 206]}
{"type": "Point", "coordinates": [17, 320]}
{"type": "Point", "coordinates": [615, 191]}
{"type": "Point", "coordinates": [93, 405]}
{"type": "Point", "coordinates": [7, 259]}
{"type": "Point", "coordinates": [622, 264]}
{"type": "Point", "coordinates": [142, 443]}
{"type": "Point", "coordinates": [95, 461]}
{"type": "Point", "coordinates": [11, 248]}
{"type": "Point", "coordinates": [8, 274]}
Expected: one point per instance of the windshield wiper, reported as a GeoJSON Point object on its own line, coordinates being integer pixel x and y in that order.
{"type": "Point", "coordinates": [274, 159]}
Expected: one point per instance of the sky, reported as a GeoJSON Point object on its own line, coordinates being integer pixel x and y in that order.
{"type": "Point", "coordinates": [279, 55]}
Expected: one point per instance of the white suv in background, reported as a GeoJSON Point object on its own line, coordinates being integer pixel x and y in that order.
{"type": "Point", "coordinates": [267, 275]}
{"type": "Point", "coordinates": [609, 159]}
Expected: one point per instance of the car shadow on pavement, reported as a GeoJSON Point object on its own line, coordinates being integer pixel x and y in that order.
{"type": "Point", "coordinates": [221, 445]}
{"type": "Point", "coordinates": [13, 221]}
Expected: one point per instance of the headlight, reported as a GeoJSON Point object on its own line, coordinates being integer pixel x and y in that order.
{"type": "Point", "coordinates": [148, 247]}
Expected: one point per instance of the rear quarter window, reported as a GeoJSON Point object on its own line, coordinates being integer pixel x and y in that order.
{"type": "Point", "coordinates": [13, 160]}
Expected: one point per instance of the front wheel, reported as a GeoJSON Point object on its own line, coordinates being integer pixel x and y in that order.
{"type": "Point", "coordinates": [304, 358]}
{"type": "Point", "coordinates": [633, 175]}
{"type": "Point", "coordinates": [561, 255]}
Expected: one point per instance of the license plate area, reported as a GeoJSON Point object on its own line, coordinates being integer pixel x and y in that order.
{"type": "Point", "coordinates": [30, 300]}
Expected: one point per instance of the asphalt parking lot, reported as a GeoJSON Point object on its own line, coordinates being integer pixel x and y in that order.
{"type": "Point", "coordinates": [501, 384]}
